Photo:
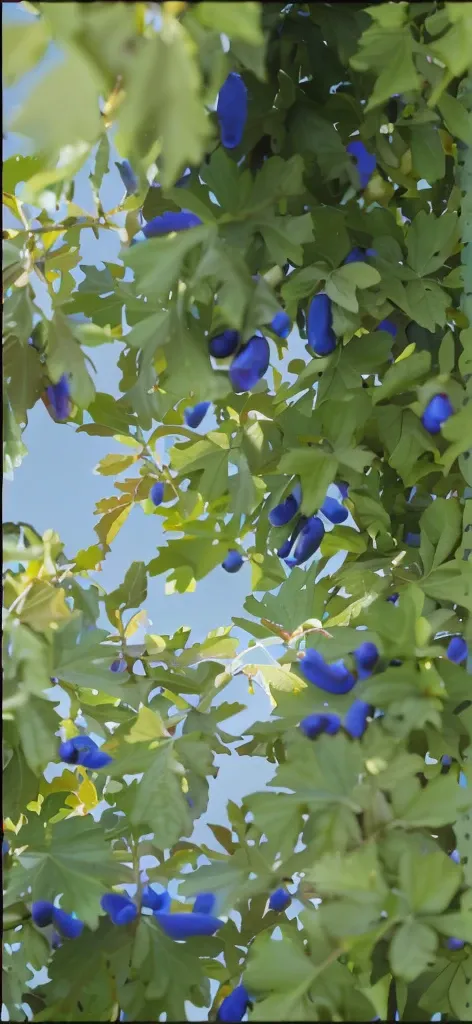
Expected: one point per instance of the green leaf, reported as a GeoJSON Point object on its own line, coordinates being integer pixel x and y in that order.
{"type": "Point", "coordinates": [412, 950]}
{"type": "Point", "coordinates": [441, 527]}
{"type": "Point", "coordinates": [157, 262]}
{"type": "Point", "coordinates": [429, 160]}
{"type": "Point", "coordinates": [23, 46]}
{"type": "Point", "coordinates": [172, 111]}
{"type": "Point", "coordinates": [232, 20]}
{"type": "Point", "coordinates": [429, 883]}
{"type": "Point", "coordinates": [64, 355]}
{"type": "Point", "coordinates": [133, 591]}
{"type": "Point", "coordinates": [341, 285]}
{"type": "Point", "coordinates": [72, 858]}
{"type": "Point", "coordinates": [430, 240]}
{"type": "Point", "coordinates": [315, 468]}
{"type": "Point", "coordinates": [76, 118]}
{"type": "Point", "coordinates": [438, 803]}
{"type": "Point", "coordinates": [160, 803]}
{"type": "Point", "coordinates": [403, 375]}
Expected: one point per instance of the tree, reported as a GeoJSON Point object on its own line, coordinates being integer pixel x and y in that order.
{"type": "Point", "coordinates": [300, 167]}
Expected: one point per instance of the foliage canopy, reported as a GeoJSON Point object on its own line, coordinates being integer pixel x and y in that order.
{"type": "Point", "coordinates": [361, 819]}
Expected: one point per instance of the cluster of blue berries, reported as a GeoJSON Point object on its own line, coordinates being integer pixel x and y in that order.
{"type": "Point", "coordinates": [337, 679]}
{"type": "Point", "coordinates": [309, 531]}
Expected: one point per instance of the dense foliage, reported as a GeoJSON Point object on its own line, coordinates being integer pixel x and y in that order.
{"type": "Point", "coordinates": [298, 167]}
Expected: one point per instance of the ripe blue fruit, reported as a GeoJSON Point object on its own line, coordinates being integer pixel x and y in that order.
{"type": "Point", "coordinates": [224, 344]}
{"type": "Point", "coordinates": [84, 751]}
{"type": "Point", "coordinates": [44, 913]}
{"type": "Point", "coordinates": [321, 337]}
{"type": "Point", "coordinates": [388, 325]}
{"type": "Point", "coordinates": [334, 511]}
{"type": "Point", "coordinates": [250, 364]}
{"type": "Point", "coordinates": [204, 903]}
{"type": "Point", "coordinates": [281, 324]}
{"type": "Point", "coordinates": [365, 161]}
{"type": "Point", "coordinates": [331, 678]}
{"type": "Point", "coordinates": [343, 488]}
{"type": "Point", "coordinates": [437, 411]}
{"type": "Point", "coordinates": [356, 255]}
{"type": "Point", "coordinates": [155, 900]}
{"type": "Point", "coordinates": [5, 847]}
{"type": "Point", "coordinates": [41, 913]}
{"type": "Point", "coordinates": [233, 561]}
{"type": "Point", "coordinates": [355, 721]}
{"type": "Point", "coordinates": [457, 649]}
{"type": "Point", "coordinates": [283, 513]}
{"type": "Point", "coordinates": [455, 944]}
{"type": "Point", "coordinates": [365, 657]}
{"type": "Point", "coordinates": [455, 856]}
{"type": "Point", "coordinates": [412, 539]}
{"type": "Point", "coordinates": [313, 725]}
{"type": "Point", "coordinates": [119, 665]}
{"type": "Point", "coordinates": [128, 177]}
{"type": "Point", "coordinates": [308, 541]}
{"type": "Point", "coordinates": [231, 110]}
{"type": "Point", "coordinates": [280, 900]}
{"type": "Point", "coordinates": [393, 598]}
{"type": "Point", "coordinates": [234, 1006]}
{"type": "Point", "coordinates": [59, 398]}
{"type": "Point", "coordinates": [167, 222]}
{"type": "Point", "coordinates": [286, 548]}
{"type": "Point", "coordinates": [446, 760]}
{"type": "Point", "coordinates": [119, 908]}
{"type": "Point", "coordinates": [66, 924]}
{"type": "Point", "coordinates": [185, 926]}
{"type": "Point", "coordinates": [194, 414]}
{"type": "Point", "coordinates": [156, 493]}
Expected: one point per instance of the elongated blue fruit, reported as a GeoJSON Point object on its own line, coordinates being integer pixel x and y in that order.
{"type": "Point", "coordinates": [388, 325]}
{"type": "Point", "coordinates": [84, 751]}
{"type": "Point", "coordinates": [120, 908]}
{"type": "Point", "coordinates": [194, 414]}
{"type": "Point", "coordinates": [224, 344]}
{"type": "Point", "coordinates": [281, 324]}
{"type": "Point", "coordinates": [234, 1006]}
{"type": "Point", "coordinates": [321, 337]}
{"type": "Point", "coordinates": [283, 513]}
{"type": "Point", "coordinates": [119, 665]}
{"type": "Point", "coordinates": [334, 511]}
{"type": "Point", "coordinates": [41, 913]}
{"type": "Point", "coordinates": [331, 678]}
{"type": "Point", "coordinates": [365, 161]}
{"type": "Point", "coordinates": [155, 900]}
{"type": "Point", "coordinates": [233, 561]}
{"type": "Point", "coordinates": [204, 903]}
{"type": "Point", "coordinates": [167, 222]}
{"type": "Point", "coordinates": [308, 541]}
{"type": "Point", "coordinates": [356, 255]}
{"type": "Point", "coordinates": [250, 364]}
{"type": "Point", "coordinates": [457, 650]}
{"type": "Point", "coordinates": [366, 656]}
{"type": "Point", "coordinates": [437, 411]}
{"type": "Point", "coordinates": [128, 177]}
{"type": "Point", "coordinates": [286, 548]}
{"type": "Point", "coordinates": [412, 539]}
{"type": "Point", "coordinates": [59, 398]}
{"type": "Point", "coordinates": [355, 721]}
{"type": "Point", "coordinates": [455, 856]}
{"type": "Point", "coordinates": [279, 900]}
{"type": "Point", "coordinates": [156, 493]}
{"type": "Point", "coordinates": [67, 925]}
{"type": "Point", "coordinates": [185, 926]}
{"type": "Point", "coordinates": [455, 944]}
{"type": "Point", "coordinates": [313, 725]}
{"type": "Point", "coordinates": [231, 111]}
